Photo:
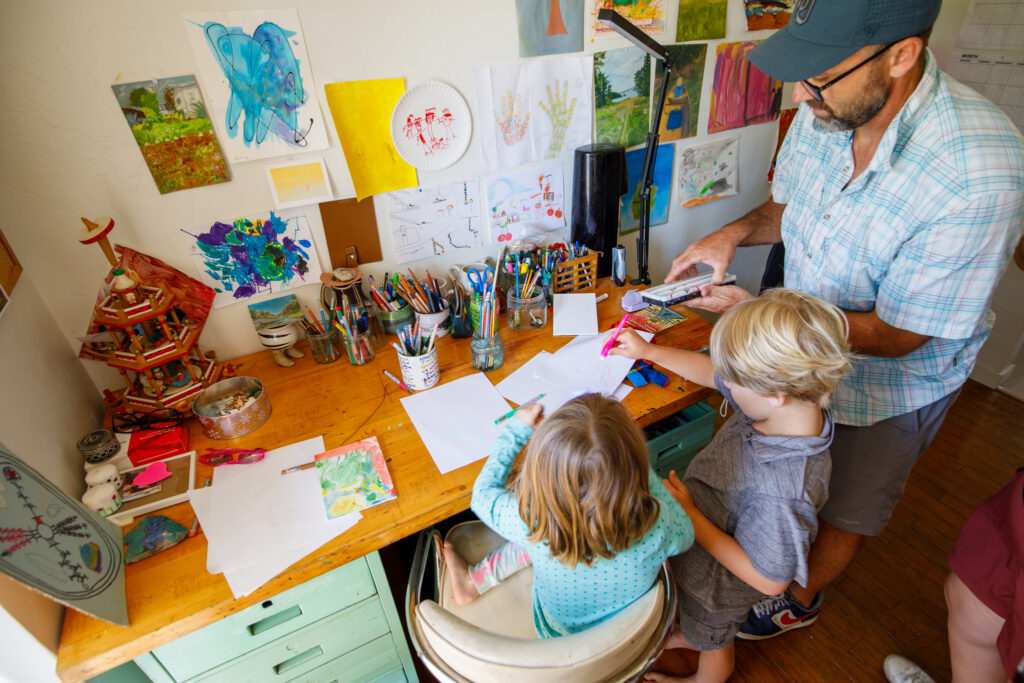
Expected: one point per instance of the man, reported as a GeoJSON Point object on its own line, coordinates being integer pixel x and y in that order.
{"type": "Point", "coordinates": [898, 196]}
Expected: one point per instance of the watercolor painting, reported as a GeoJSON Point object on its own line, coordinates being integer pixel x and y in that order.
{"type": "Point", "coordinates": [274, 312]}
{"type": "Point", "coordinates": [299, 183]}
{"type": "Point", "coordinates": [631, 208]}
{"type": "Point", "coordinates": [540, 110]}
{"type": "Point", "coordinates": [707, 172]}
{"type": "Point", "coordinates": [742, 94]}
{"type": "Point", "coordinates": [168, 119]}
{"type": "Point", "coordinates": [354, 477]}
{"type": "Point", "coordinates": [622, 102]}
{"type": "Point", "coordinates": [701, 20]}
{"type": "Point", "coordinates": [767, 14]}
{"type": "Point", "coordinates": [682, 102]}
{"type": "Point", "coordinates": [525, 202]}
{"type": "Point", "coordinates": [430, 220]}
{"type": "Point", "coordinates": [786, 117]}
{"type": "Point", "coordinates": [548, 27]}
{"type": "Point", "coordinates": [646, 15]}
{"type": "Point", "coordinates": [255, 255]}
{"type": "Point", "coordinates": [257, 75]}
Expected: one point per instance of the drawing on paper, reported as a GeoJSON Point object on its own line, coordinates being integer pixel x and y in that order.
{"type": "Point", "coordinates": [646, 15]}
{"type": "Point", "coordinates": [682, 102]}
{"type": "Point", "coordinates": [353, 478]}
{"type": "Point", "coordinates": [763, 14]}
{"type": "Point", "coordinates": [525, 201]}
{"type": "Point", "coordinates": [742, 94]}
{"type": "Point", "coordinates": [255, 64]}
{"type": "Point", "coordinates": [622, 87]}
{"type": "Point", "coordinates": [560, 114]}
{"type": "Point", "coordinates": [426, 219]}
{"type": "Point", "coordinates": [430, 131]}
{"type": "Point", "coordinates": [700, 20]}
{"type": "Point", "coordinates": [548, 27]}
{"type": "Point", "coordinates": [254, 255]}
{"type": "Point", "coordinates": [707, 172]}
{"type": "Point", "coordinates": [512, 120]}
{"type": "Point", "coordinates": [661, 188]}
{"type": "Point", "coordinates": [168, 119]}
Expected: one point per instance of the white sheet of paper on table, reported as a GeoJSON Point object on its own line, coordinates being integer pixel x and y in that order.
{"type": "Point", "coordinates": [578, 366]}
{"type": "Point", "coordinates": [521, 386]}
{"type": "Point", "coordinates": [575, 314]}
{"type": "Point", "coordinates": [456, 420]}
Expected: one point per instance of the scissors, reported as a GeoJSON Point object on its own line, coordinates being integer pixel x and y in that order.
{"type": "Point", "coordinates": [477, 280]}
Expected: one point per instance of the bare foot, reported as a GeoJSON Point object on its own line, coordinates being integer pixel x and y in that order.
{"type": "Point", "coordinates": [463, 589]}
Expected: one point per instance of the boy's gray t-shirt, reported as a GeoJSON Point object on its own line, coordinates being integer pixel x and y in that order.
{"type": "Point", "coordinates": [765, 491]}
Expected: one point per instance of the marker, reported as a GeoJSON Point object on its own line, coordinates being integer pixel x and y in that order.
{"type": "Point", "coordinates": [397, 381]}
{"type": "Point", "coordinates": [513, 411]}
{"type": "Point", "coordinates": [303, 466]}
{"type": "Point", "coordinates": [601, 298]}
{"type": "Point", "coordinates": [615, 335]}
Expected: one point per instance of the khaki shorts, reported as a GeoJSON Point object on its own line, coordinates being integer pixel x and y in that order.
{"type": "Point", "coordinates": [870, 466]}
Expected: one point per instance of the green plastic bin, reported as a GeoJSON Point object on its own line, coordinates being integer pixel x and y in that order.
{"type": "Point", "coordinates": [673, 441]}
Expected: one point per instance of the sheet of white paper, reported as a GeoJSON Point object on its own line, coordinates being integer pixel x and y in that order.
{"type": "Point", "coordinates": [456, 420]}
{"type": "Point", "coordinates": [521, 386]}
{"type": "Point", "coordinates": [622, 392]}
{"type": "Point", "coordinates": [575, 314]}
{"type": "Point", "coordinates": [578, 366]}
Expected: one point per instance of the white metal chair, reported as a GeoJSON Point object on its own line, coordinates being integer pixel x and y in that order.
{"type": "Point", "coordinates": [492, 639]}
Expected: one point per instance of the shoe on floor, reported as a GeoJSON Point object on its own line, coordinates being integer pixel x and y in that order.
{"type": "Point", "coordinates": [902, 670]}
{"type": "Point", "coordinates": [777, 614]}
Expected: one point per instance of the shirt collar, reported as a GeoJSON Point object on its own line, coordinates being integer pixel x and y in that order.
{"type": "Point", "coordinates": [903, 124]}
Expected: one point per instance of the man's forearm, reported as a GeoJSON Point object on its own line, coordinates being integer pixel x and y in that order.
{"type": "Point", "coordinates": [762, 225]}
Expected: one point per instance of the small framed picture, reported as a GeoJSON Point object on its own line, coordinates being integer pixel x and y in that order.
{"type": "Point", "coordinates": [298, 183]}
{"type": "Point", "coordinates": [139, 500]}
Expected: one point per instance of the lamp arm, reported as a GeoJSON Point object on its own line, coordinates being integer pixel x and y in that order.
{"type": "Point", "coordinates": [647, 178]}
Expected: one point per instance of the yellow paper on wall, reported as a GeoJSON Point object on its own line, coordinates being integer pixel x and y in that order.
{"type": "Point", "coordinates": [362, 118]}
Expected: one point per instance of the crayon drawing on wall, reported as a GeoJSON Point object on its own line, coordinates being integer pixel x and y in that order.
{"type": "Point", "coordinates": [299, 183]}
{"type": "Point", "coordinates": [255, 255]}
{"type": "Point", "coordinates": [525, 202]}
{"type": "Point", "coordinates": [431, 220]}
{"type": "Point", "coordinates": [169, 121]}
{"type": "Point", "coordinates": [707, 172]}
{"type": "Point", "coordinates": [548, 27]}
{"type": "Point", "coordinates": [742, 94]}
{"type": "Point", "coordinates": [766, 14]}
{"type": "Point", "coordinates": [646, 15]}
{"type": "Point", "coordinates": [622, 88]}
{"type": "Point", "coordinates": [661, 188]}
{"type": "Point", "coordinates": [682, 102]}
{"type": "Point", "coordinates": [257, 75]}
{"type": "Point", "coordinates": [701, 20]}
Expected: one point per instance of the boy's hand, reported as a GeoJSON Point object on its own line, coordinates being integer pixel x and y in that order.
{"type": "Point", "coordinates": [530, 414]}
{"type": "Point", "coordinates": [629, 344]}
{"type": "Point", "coordinates": [679, 491]}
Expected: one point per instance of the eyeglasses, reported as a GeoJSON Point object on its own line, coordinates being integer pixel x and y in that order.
{"type": "Point", "coordinates": [232, 456]}
{"type": "Point", "coordinates": [816, 90]}
{"type": "Point", "coordinates": [126, 423]}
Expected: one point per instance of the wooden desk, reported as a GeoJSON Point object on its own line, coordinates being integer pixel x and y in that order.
{"type": "Point", "coordinates": [171, 594]}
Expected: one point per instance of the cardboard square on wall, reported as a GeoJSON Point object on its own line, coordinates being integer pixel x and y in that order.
{"type": "Point", "coordinates": [350, 223]}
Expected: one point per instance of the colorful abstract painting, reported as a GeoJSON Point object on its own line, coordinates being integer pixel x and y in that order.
{"type": "Point", "coordinates": [534, 111]}
{"type": "Point", "coordinates": [434, 219]}
{"type": "Point", "coordinates": [525, 202]}
{"type": "Point", "coordinates": [622, 88]}
{"type": "Point", "coordinates": [258, 79]}
{"type": "Point", "coordinates": [354, 477]}
{"type": "Point", "coordinates": [170, 124]}
{"type": "Point", "coordinates": [646, 15]}
{"type": "Point", "coordinates": [786, 117]}
{"type": "Point", "coordinates": [274, 312]}
{"type": "Point", "coordinates": [631, 209]}
{"type": "Point", "coordinates": [701, 20]}
{"type": "Point", "coordinates": [548, 27]}
{"type": "Point", "coordinates": [682, 102]}
{"type": "Point", "coordinates": [255, 255]}
{"type": "Point", "coordinates": [767, 14]}
{"type": "Point", "coordinates": [742, 94]}
{"type": "Point", "coordinates": [299, 183]}
{"type": "Point", "coordinates": [707, 172]}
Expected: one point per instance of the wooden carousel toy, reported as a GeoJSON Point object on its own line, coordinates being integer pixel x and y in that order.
{"type": "Point", "coordinates": [140, 329]}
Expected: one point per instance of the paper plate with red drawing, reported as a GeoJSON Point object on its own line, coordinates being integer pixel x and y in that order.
{"type": "Point", "coordinates": [431, 126]}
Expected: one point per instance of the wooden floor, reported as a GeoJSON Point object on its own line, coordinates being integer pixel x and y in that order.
{"type": "Point", "coordinates": [890, 599]}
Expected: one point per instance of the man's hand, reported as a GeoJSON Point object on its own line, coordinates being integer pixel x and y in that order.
{"type": "Point", "coordinates": [719, 298]}
{"type": "Point", "coordinates": [530, 414]}
{"type": "Point", "coordinates": [629, 344]}
{"type": "Point", "coordinates": [717, 250]}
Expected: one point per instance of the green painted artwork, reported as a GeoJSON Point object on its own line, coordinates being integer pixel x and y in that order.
{"type": "Point", "coordinates": [622, 88]}
{"type": "Point", "coordinates": [354, 477]}
{"type": "Point", "coordinates": [700, 20]}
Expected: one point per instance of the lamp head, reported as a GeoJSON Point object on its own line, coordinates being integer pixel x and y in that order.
{"type": "Point", "coordinates": [631, 33]}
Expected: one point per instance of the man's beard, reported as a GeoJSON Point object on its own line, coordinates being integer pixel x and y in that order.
{"type": "Point", "coordinates": [861, 111]}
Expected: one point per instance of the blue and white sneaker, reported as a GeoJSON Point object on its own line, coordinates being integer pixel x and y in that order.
{"type": "Point", "coordinates": [777, 614]}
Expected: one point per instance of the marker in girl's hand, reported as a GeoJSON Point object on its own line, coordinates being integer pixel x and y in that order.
{"type": "Point", "coordinates": [513, 411]}
{"type": "Point", "coordinates": [615, 335]}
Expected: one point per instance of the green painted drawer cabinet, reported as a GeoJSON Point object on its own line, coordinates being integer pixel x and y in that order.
{"type": "Point", "coordinates": [341, 627]}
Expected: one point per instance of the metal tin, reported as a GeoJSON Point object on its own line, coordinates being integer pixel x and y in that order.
{"type": "Point", "coordinates": [619, 265]}
{"type": "Point", "coordinates": [220, 419]}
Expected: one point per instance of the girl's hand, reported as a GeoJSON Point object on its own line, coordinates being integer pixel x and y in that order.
{"type": "Point", "coordinates": [530, 414]}
{"type": "Point", "coordinates": [679, 491]}
{"type": "Point", "coordinates": [630, 344]}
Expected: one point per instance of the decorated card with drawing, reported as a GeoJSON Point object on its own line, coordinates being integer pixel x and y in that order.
{"type": "Point", "coordinates": [435, 219]}
{"type": "Point", "coordinates": [524, 202]}
{"type": "Point", "coordinates": [354, 477]}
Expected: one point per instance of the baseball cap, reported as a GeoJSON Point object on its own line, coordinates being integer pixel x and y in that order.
{"type": "Point", "coordinates": [822, 33]}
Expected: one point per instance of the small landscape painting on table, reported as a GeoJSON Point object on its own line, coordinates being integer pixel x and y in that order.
{"type": "Point", "coordinates": [168, 118]}
{"type": "Point", "coordinates": [274, 312]}
{"type": "Point", "coordinates": [354, 477]}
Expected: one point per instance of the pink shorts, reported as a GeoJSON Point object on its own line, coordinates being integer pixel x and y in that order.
{"type": "Point", "coordinates": [989, 558]}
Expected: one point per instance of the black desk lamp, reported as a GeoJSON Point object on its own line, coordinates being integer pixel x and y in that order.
{"type": "Point", "coordinates": [648, 45]}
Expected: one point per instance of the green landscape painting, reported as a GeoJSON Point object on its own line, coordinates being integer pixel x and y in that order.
{"type": "Point", "coordinates": [274, 312]}
{"type": "Point", "coordinates": [700, 20]}
{"type": "Point", "coordinates": [622, 101]}
{"type": "Point", "coordinates": [169, 121]}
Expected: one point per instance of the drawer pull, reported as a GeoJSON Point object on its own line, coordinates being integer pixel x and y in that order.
{"type": "Point", "coordinates": [298, 659]}
{"type": "Point", "coordinates": [275, 620]}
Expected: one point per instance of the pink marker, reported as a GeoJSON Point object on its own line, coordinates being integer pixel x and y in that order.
{"type": "Point", "coordinates": [615, 335]}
